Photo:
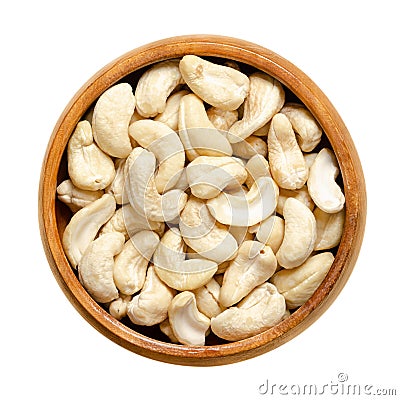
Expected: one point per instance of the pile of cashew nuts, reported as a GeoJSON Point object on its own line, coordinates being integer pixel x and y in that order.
{"type": "Point", "coordinates": [199, 201]}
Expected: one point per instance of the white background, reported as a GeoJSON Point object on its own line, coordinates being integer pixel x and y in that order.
{"type": "Point", "coordinates": [49, 49]}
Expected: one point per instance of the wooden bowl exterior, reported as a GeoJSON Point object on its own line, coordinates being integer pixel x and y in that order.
{"type": "Point", "coordinates": [53, 217]}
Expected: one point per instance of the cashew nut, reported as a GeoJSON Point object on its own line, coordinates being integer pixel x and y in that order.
{"type": "Point", "coordinates": [256, 167]}
{"type": "Point", "coordinates": [247, 209]}
{"type": "Point", "coordinates": [323, 189]}
{"type": "Point", "coordinates": [300, 234]}
{"type": "Point", "coordinates": [172, 268]}
{"type": "Point", "coordinates": [222, 119]}
{"type": "Point", "coordinates": [116, 188]}
{"type": "Point", "coordinates": [188, 324]}
{"type": "Point", "coordinates": [74, 197]}
{"type": "Point", "coordinates": [197, 133]}
{"type": "Point", "coordinates": [208, 176]}
{"type": "Point", "coordinates": [249, 147]}
{"type": "Point", "coordinates": [254, 264]}
{"type": "Point", "coordinates": [202, 233]}
{"type": "Point", "coordinates": [207, 299]}
{"type": "Point", "coordinates": [142, 192]}
{"type": "Point", "coordinates": [170, 116]}
{"type": "Point", "coordinates": [329, 229]}
{"type": "Point", "coordinates": [286, 160]}
{"type": "Point", "coordinates": [154, 87]}
{"type": "Point", "coordinates": [265, 99]}
{"type": "Point", "coordinates": [220, 86]}
{"type": "Point", "coordinates": [88, 167]}
{"type": "Point", "coordinates": [297, 285]}
{"type": "Point", "coordinates": [84, 225]}
{"type": "Point", "coordinates": [164, 143]}
{"type": "Point", "coordinates": [271, 232]}
{"type": "Point", "coordinates": [131, 263]}
{"type": "Point", "coordinates": [304, 124]}
{"type": "Point", "coordinates": [111, 117]}
{"type": "Point", "coordinates": [299, 194]}
{"type": "Point", "coordinates": [96, 267]}
{"type": "Point", "coordinates": [118, 308]}
{"type": "Point", "coordinates": [263, 308]}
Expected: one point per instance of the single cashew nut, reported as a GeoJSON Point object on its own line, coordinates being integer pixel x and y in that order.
{"type": "Point", "coordinates": [88, 167]}
{"type": "Point", "coordinates": [329, 229]}
{"type": "Point", "coordinates": [299, 194]}
{"type": "Point", "coordinates": [265, 99]}
{"type": "Point", "coordinates": [142, 192]}
{"type": "Point", "coordinates": [286, 160]}
{"type": "Point", "coordinates": [220, 86]}
{"type": "Point", "coordinates": [222, 119]}
{"type": "Point", "coordinates": [300, 234]}
{"type": "Point", "coordinates": [260, 310]}
{"type": "Point", "coordinates": [208, 176]}
{"type": "Point", "coordinates": [172, 268]}
{"type": "Point", "coordinates": [207, 299]}
{"type": "Point", "coordinates": [256, 167]}
{"type": "Point", "coordinates": [164, 143]}
{"type": "Point", "coordinates": [96, 267]}
{"type": "Point", "coordinates": [84, 225]}
{"type": "Point", "coordinates": [297, 285]}
{"type": "Point", "coordinates": [198, 135]}
{"type": "Point", "coordinates": [116, 188]}
{"type": "Point", "coordinates": [271, 232]}
{"type": "Point", "coordinates": [150, 306]}
{"type": "Point", "coordinates": [170, 116]}
{"type": "Point", "coordinates": [304, 124]}
{"type": "Point", "coordinates": [74, 197]}
{"type": "Point", "coordinates": [246, 209]}
{"type": "Point", "coordinates": [131, 263]}
{"type": "Point", "coordinates": [188, 324]}
{"type": "Point", "coordinates": [154, 87]}
{"type": "Point", "coordinates": [253, 265]}
{"type": "Point", "coordinates": [249, 147]}
{"type": "Point", "coordinates": [111, 117]}
{"type": "Point", "coordinates": [323, 189]}
{"type": "Point", "coordinates": [118, 308]}
{"type": "Point", "coordinates": [202, 233]}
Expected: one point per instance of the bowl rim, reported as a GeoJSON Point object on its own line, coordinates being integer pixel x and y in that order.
{"type": "Point", "coordinates": [315, 100]}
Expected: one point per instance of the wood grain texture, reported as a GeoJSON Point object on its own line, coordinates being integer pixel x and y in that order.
{"type": "Point", "coordinates": [53, 216]}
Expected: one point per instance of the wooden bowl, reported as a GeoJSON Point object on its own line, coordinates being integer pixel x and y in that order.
{"type": "Point", "coordinates": [53, 215]}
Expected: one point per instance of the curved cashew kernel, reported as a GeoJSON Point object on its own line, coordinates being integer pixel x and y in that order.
{"type": "Point", "coordinates": [299, 194]}
{"type": "Point", "coordinates": [286, 160]}
{"type": "Point", "coordinates": [131, 263]}
{"type": "Point", "coordinates": [172, 268]}
{"type": "Point", "coordinates": [300, 234]}
{"type": "Point", "coordinates": [96, 267]}
{"type": "Point", "coordinates": [111, 117]}
{"type": "Point", "coordinates": [134, 222]}
{"type": "Point", "coordinates": [164, 143]}
{"type": "Point", "coordinates": [322, 187]}
{"type": "Point", "coordinates": [150, 306]}
{"type": "Point", "coordinates": [249, 147]}
{"type": "Point", "coordinates": [271, 232]}
{"type": "Point", "coordinates": [246, 209]}
{"type": "Point", "coordinates": [165, 328]}
{"type": "Point", "coordinates": [329, 229]}
{"type": "Point", "coordinates": [219, 86]}
{"type": "Point", "coordinates": [253, 265]}
{"type": "Point", "coordinates": [202, 233]}
{"type": "Point", "coordinates": [170, 116]}
{"type": "Point", "coordinates": [197, 133]}
{"type": "Point", "coordinates": [84, 225]}
{"type": "Point", "coordinates": [116, 188]}
{"type": "Point", "coordinates": [265, 99]}
{"type": "Point", "coordinates": [263, 308]}
{"type": "Point", "coordinates": [222, 119]}
{"type": "Point", "coordinates": [304, 124]}
{"type": "Point", "coordinates": [207, 299]}
{"type": "Point", "coordinates": [88, 167]}
{"type": "Point", "coordinates": [208, 176]}
{"type": "Point", "coordinates": [74, 197]}
{"type": "Point", "coordinates": [142, 192]}
{"type": "Point", "coordinates": [118, 308]}
{"type": "Point", "coordinates": [188, 324]}
{"type": "Point", "coordinates": [256, 167]}
{"type": "Point", "coordinates": [297, 285]}
{"type": "Point", "coordinates": [154, 87]}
